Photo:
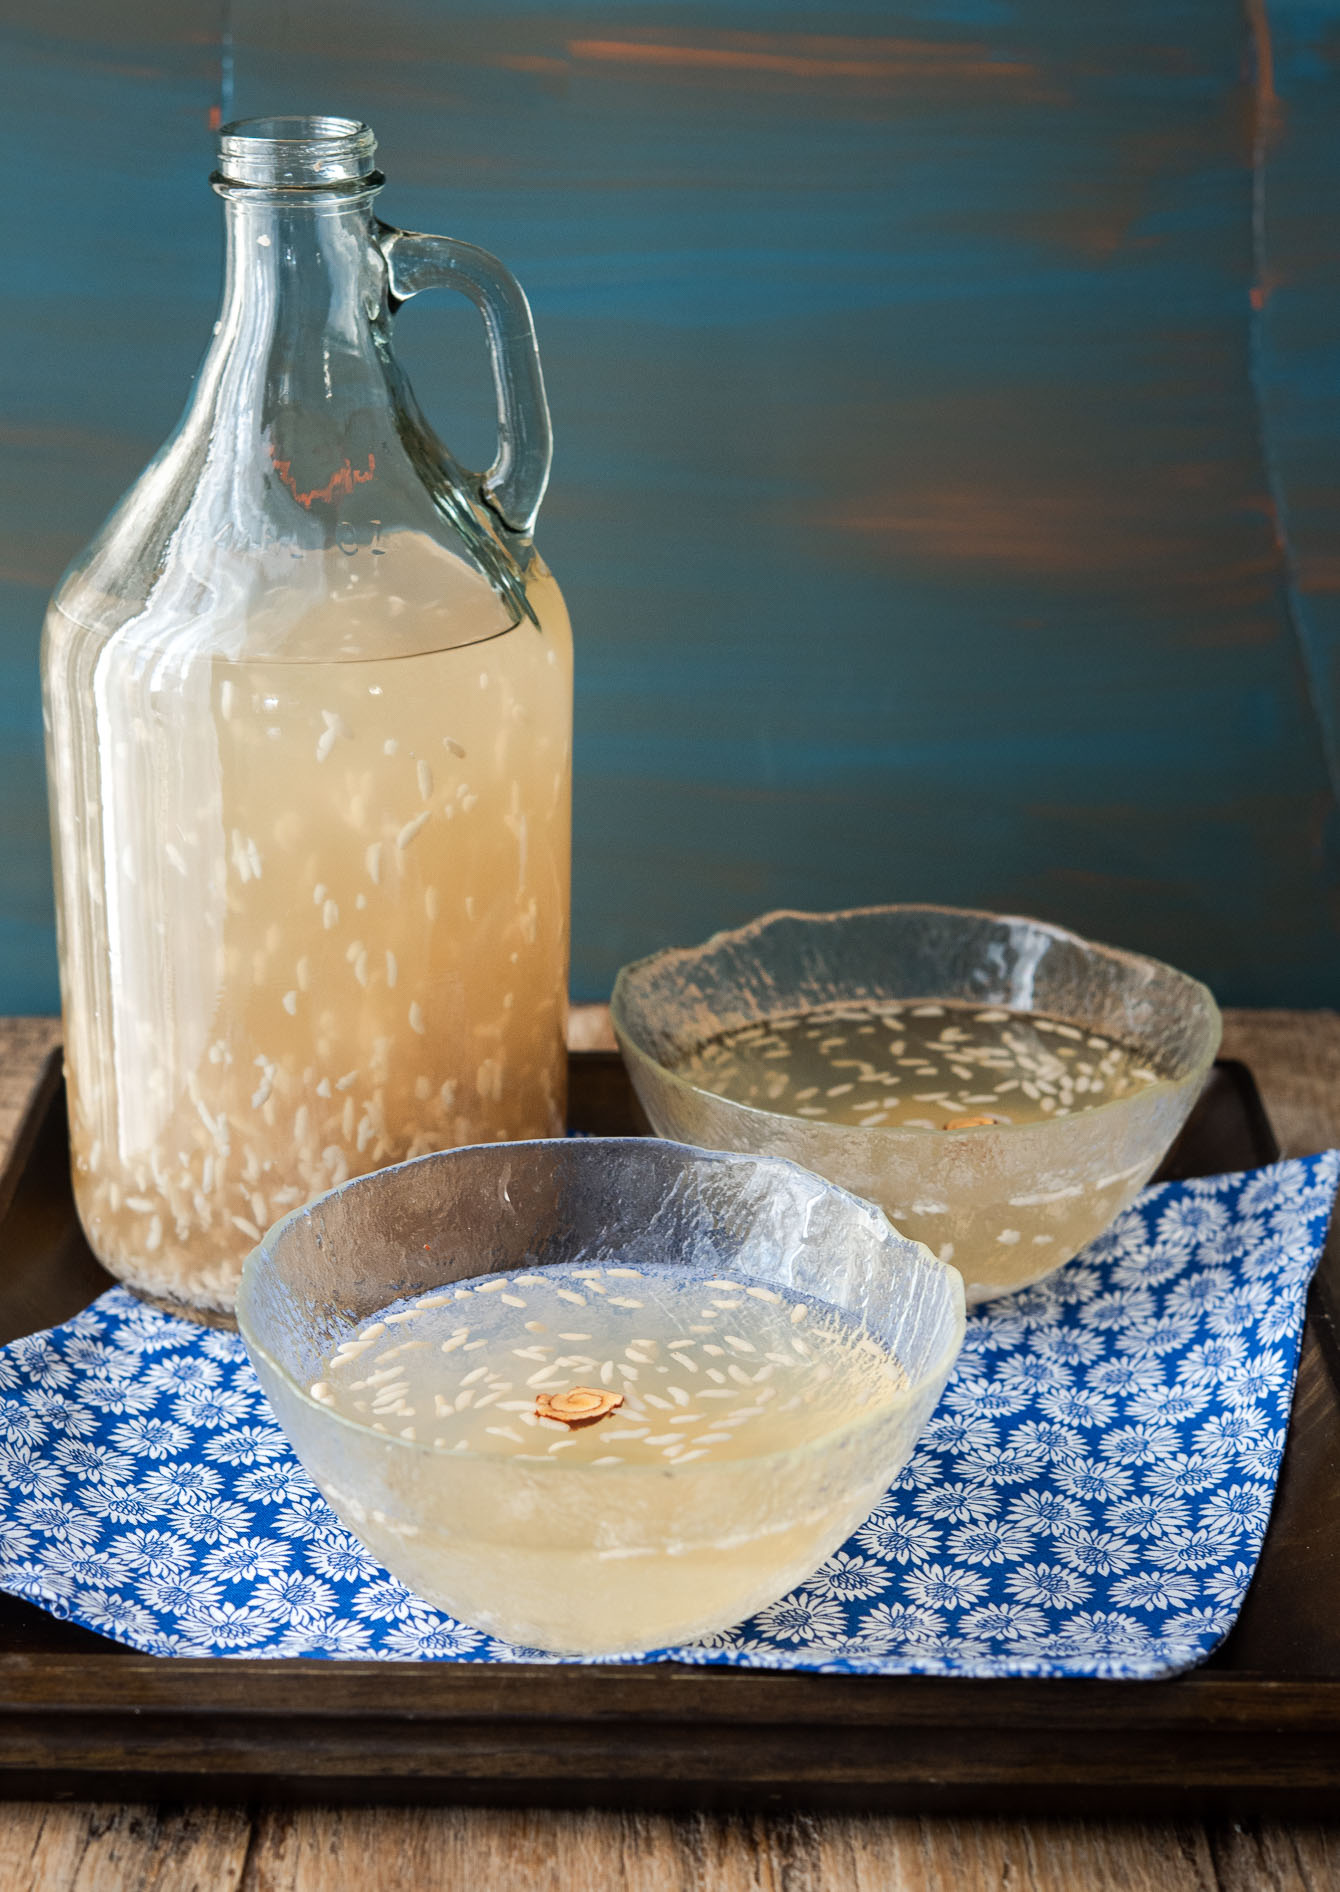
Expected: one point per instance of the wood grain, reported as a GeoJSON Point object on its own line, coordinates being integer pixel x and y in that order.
{"type": "Point", "coordinates": [99, 1848]}
{"type": "Point", "coordinates": [109, 103]}
{"type": "Point", "coordinates": [1295, 295]}
{"type": "Point", "coordinates": [25, 1045]}
{"type": "Point", "coordinates": [144, 1849]}
{"type": "Point", "coordinates": [909, 493]}
{"type": "Point", "coordinates": [1296, 1058]}
{"type": "Point", "coordinates": [122, 1849]}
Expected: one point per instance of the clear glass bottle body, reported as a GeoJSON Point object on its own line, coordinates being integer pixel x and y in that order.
{"type": "Point", "coordinates": [308, 704]}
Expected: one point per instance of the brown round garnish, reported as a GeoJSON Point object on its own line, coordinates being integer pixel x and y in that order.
{"type": "Point", "coordinates": [972, 1123]}
{"type": "Point", "coordinates": [579, 1406]}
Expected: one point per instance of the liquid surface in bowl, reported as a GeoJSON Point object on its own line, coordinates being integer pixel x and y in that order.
{"type": "Point", "coordinates": [924, 1065]}
{"type": "Point", "coordinates": [708, 1368]}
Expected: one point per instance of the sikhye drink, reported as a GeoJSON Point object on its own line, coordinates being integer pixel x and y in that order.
{"type": "Point", "coordinates": [313, 919]}
{"type": "Point", "coordinates": [929, 1065]}
{"type": "Point", "coordinates": [308, 699]}
{"type": "Point", "coordinates": [633, 1421]}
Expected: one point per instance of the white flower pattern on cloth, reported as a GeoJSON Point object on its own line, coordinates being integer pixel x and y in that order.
{"type": "Point", "coordinates": [1088, 1499]}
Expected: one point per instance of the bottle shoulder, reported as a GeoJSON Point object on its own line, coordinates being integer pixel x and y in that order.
{"type": "Point", "coordinates": [378, 596]}
{"type": "Point", "coordinates": [352, 524]}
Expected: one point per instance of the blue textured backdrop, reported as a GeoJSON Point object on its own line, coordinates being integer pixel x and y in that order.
{"type": "Point", "coordinates": [948, 409]}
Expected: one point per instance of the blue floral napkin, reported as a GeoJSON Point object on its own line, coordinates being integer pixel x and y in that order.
{"type": "Point", "coordinates": [1088, 1499]}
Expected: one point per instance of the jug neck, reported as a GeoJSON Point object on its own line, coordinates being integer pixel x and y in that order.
{"type": "Point", "coordinates": [302, 325]}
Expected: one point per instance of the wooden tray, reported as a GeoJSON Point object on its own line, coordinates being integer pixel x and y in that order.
{"type": "Point", "coordinates": [1257, 1729]}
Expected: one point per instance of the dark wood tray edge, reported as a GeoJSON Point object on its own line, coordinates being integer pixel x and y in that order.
{"type": "Point", "coordinates": [830, 1744]}
{"type": "Point", "coordinates": [665, 1736]}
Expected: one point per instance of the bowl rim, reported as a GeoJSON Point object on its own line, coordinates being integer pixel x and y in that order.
{"type": "Point", "coordinates": [630, 1045]}
{"type": "Point", "coordinates": [941, 1368]}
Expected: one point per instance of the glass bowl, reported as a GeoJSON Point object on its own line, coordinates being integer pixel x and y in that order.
{"type": "Point", "coordinates": [583, 1558]}
{"type": "Point", "coordinates": [1007, 1204]}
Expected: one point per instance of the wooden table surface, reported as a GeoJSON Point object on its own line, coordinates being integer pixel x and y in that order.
{"type": "Point", "coordinates": [103, 1848]}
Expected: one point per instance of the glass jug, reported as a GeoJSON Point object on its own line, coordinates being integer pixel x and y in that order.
{"type": "Point", "coordinates": [308, 699]}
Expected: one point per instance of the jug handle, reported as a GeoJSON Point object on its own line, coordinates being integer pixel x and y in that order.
{"type": "Point", "coordinates": [514, 485]}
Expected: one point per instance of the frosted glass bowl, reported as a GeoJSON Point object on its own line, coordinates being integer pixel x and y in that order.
{"type": "Point", "coordinates": [592, 1559]}
{"type": "Point", "coordinates": [1007, 1204]}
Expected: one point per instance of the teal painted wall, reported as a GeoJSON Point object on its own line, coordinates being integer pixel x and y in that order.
{"type": "Point", "coordinates": [947, 397]}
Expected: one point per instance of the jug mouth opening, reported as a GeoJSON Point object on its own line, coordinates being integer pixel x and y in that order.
{"type": "Point", "coordinates": [293, 152]}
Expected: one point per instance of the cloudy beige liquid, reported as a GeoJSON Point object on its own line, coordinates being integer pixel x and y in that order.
{"type": "Point", "coordinates": [313, 921]}
{"type": "Point", "coordinates": [747, 1446]}
{"type": "Point", "coordinates": [956, 1076]}
{"type": "Point", "coordinates": [918, 1065]}
{"type": "Point", "coordinates": [707, 1368]}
